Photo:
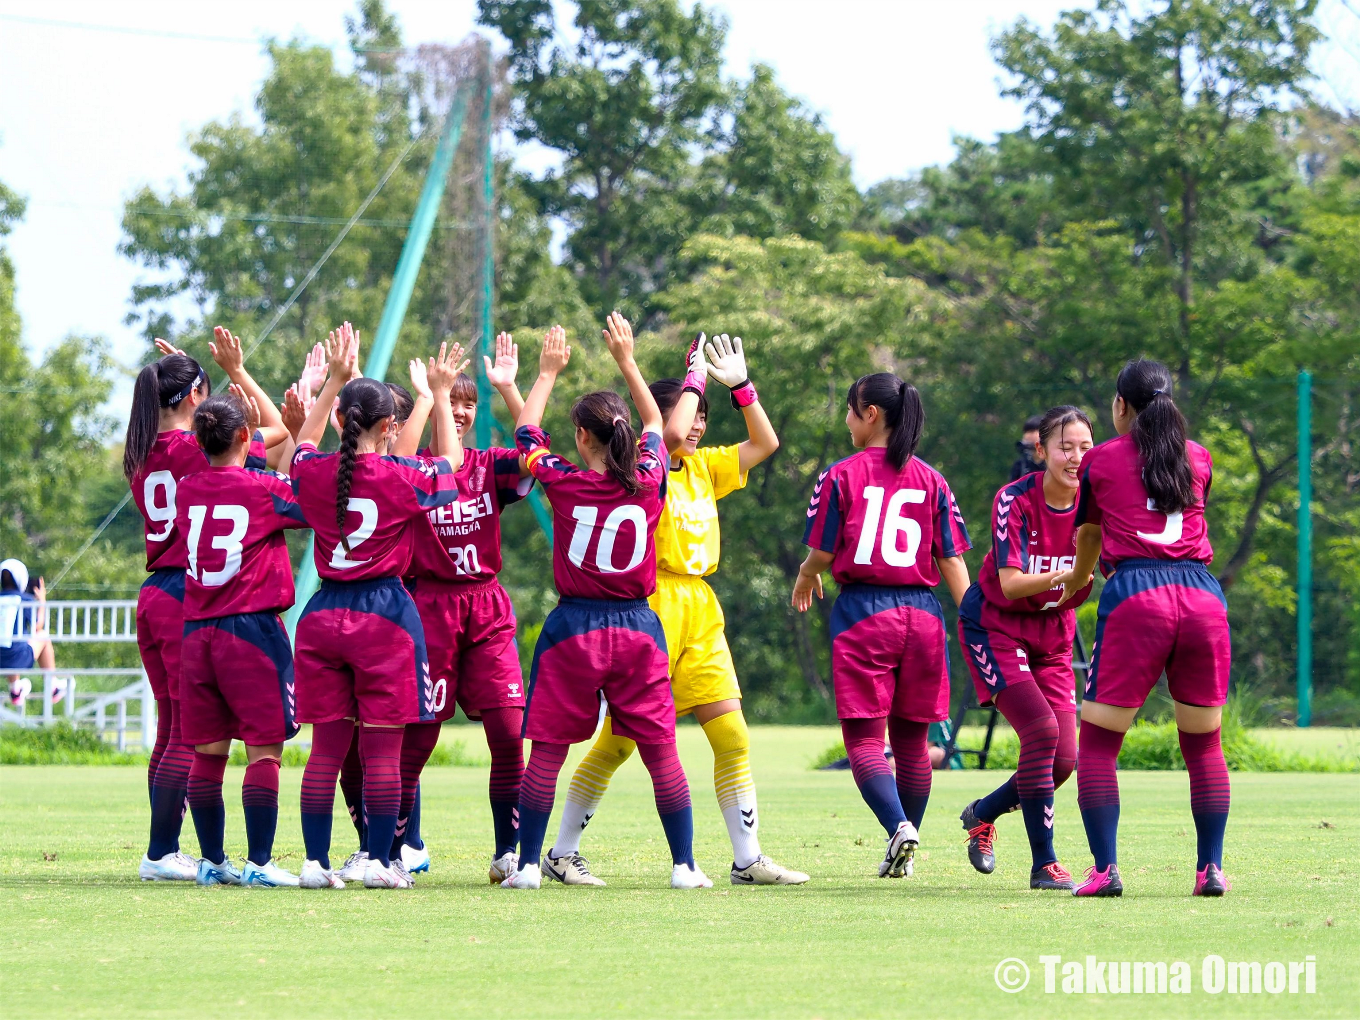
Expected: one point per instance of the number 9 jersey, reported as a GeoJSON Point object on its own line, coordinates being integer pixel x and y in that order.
{"type": "Point", "coordinates": [884, 527]}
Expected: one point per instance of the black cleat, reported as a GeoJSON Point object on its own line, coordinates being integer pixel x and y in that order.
{"type": "Point", "coordinates": [1051, 876]}
{"type": "Point", "coordinates": [980, 838]}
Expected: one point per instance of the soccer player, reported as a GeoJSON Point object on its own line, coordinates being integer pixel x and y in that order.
{"type": "Point", "coordinates": [236, 664]}
{"type": "Point", "coordinates": [603, 637]}
{"type": "Point", "coordinates": [1140, 512]}
{"type": "Point", "coordinates": [359, 646]}
{"type": "Point", "coordinates": [158, 452]}
{"type": "Point", "coordinates": [703, 678]}
{"type": "Point", "coordinates": [1018, 643]}
{"type": "Point", "coordinates": [886, 524]}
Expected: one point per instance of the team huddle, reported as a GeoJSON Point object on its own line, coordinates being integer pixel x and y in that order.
{"type": "Point", "coordinates": [410, 621]}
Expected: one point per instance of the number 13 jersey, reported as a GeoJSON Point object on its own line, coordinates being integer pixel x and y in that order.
{"type": "Point", "coordinates": [882, 526]}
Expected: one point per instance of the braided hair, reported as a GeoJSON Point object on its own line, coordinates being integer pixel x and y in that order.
{"type": "Point", "coordinates": [605, 416]}
{"type": "Point", "coordinates": [363, 404]}
{"type": "Point", "coordinates": [902, 412]}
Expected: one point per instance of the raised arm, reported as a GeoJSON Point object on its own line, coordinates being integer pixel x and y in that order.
{"type": "Point", "coordinates": [551, 362]}
{"type": "Point", "coordinates": [442, 371]}
{"type": "Point", "coordinates": [682, 414]}
{"type": "Point", "coordinates": [342, 355]}
{"type": "Point", "coordinates": [501, 374]}
{"type": "Point", "coordinates": [226, 351]}
{"type": "Point", "coordinates": [727, 364]}
{"type": "Point", "coordinates": [619, 337]}
{"type": "Point", "coordinates": [409, 441]}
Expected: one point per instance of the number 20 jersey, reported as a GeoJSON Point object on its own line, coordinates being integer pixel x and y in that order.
{"type": "Point", "coordinates": [882, 526]}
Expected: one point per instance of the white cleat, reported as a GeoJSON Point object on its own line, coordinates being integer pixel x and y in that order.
{"type": "Point", "coordinates": [685, 876]}
{"type": "Point", "coordinates": [763, 871]}
{"type": "Point", "coordinates": [897, 862]}
{"type": "Point", "coordinates": [503, 867]}
{"type": "Point", "coordinates": [569, 869]}
{"type": "Point", "coordinates": [19, 690]}
{"type": "Point", "coordinates": [527, 877]}
{"type": "Point", "coordinates": [267, 876]}
{"type": "Point", "coordinates": [174, 867]}
{"type": "Point", "coordinates": [416, 860]}
{"type": "Point", "coordinates": [354, 867]}
{"type": "Point", "coordinates": [314, 876]}
{"type": "Point", "coordinates": [387, 876]}
{"type": "Point", "coordinates": [217, 874]}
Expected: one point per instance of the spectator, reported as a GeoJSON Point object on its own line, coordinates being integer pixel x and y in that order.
{"type": "Point", "coordinates": [22, 642]}
{"type": "Point", "coordinates": [1031, 451]}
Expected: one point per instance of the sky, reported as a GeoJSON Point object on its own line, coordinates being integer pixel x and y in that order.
{"type": "Point", "coordinates": [89, 115]}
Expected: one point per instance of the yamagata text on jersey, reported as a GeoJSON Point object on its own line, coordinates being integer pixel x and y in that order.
{"type": "Point", "coordinates": [462, 517]}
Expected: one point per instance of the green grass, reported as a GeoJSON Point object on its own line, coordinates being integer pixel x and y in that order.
{"type": "Point", "coordinates": [83, 938]}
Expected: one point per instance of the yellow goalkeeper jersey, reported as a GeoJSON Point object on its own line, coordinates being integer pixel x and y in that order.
{"type": "Point", "coordinates": [687, 538]}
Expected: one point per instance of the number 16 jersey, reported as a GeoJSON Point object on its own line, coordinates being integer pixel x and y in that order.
{"type": "Point", "coordinates": [882, 526]}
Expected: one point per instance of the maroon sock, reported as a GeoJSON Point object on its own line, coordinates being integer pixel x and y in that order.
{"type": "Point", "coordinates": [873, 775]}
{"type": "Point", "coordinates": [502, 727]}
{"type": "Point", "coordinates": [169, 790]}
{"type": "Point", "coordinates": [911, 760]}
{"type": "Point", "coordinates": [205, 802]}
{"type": "Point", "coordinates": [260, 802]}
{"type": "Point", "coordinates": [536, 795]}
{"type": "Point", "coordinates": [417, 744]}
{"type": "Point", "coordinates": [1098, 790]}
{"type": "Point", "coordinates": [1065, 754]}
{"type": "Point", "coordinates": [669, 784]}
{"type": "Point", "coordinates": [164, 716]}
{"type": "Point", "coordinates": [352, 787]}
{"type": "Point", "coordinates": [1210, 792]}
{"type": "Point", "coordinates": [330, 744]}
{"type": "Point", "coordinates": [1028, 712]}
{"type": "Point", "coordinates": [380, 751]}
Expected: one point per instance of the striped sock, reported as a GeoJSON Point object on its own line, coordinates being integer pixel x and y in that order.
{"type": "Point", "coordinates": [1098, 790]}
{"type": "Point", "coordinates": [732, 782]}
{"type": "Point", "coordinates": [536, 795]}
{"type": "Point", "coordinates": [417, 744]}
{"type": "Point", "coordinates": [873, 775]}
{"type": "Point", "coordinates": [169, 791]}
{"type": "Point", "coordinates": [911, 761]}
{"type": "Point", "coordinates": [502, 727]}
{"type": "Point", "coordinates": [260, 802]}
{"type": "Point", "coordinates": [1028, 712]}
{"type": "Point", "coordinates": [380, 749]}
{"type": "Point", "coordinates": [352, 787]}
{"type": "Point", "coordinates": [205, 802]}
{"type": "Point", "coordinates": [330, 744]}
{"type": "Point", "coordinates": [1210, 792]}
{"type": "Point", "coordinates": [672, 798]}
{"type": "Point", "coordinates": [587, 787]}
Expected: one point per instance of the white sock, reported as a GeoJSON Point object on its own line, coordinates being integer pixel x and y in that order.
{"type": "Point", "coordinates": [743, 823]}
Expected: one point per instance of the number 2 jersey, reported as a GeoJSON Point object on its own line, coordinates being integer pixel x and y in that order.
{"type": "Point", "coordinates": [1112, 495]}
{"type": "Point", "coordinates": [1032, 537]}
{"type": "Point", "coordinates": [882, 526]}
{"type": "Point", "coordinates": [387, 497]}
{"type": "Point", "coordinates": [603, 538]}
{"type": "Point", "coordinates": [462, 543]}
{"type": "Point", "coordinates": [232, 520]}
{"type": "Point", "coordinates": [175, 455]}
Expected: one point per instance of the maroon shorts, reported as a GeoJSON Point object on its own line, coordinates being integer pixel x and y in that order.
{"type": "Point", "coordinates": [160, 629]}
{"type": "Point", "coordinates": [888, 654]}
{"type": "Point", "coordinates": [1160, 616]}
{"type": "Point", "coordinates": [594, 648]}
{"type": "Point", "coordinates": [236, 680]}
{"type": "Point", "coordinates": [1003, 648]}
{"type": "Point", "coordinates": [359, 654]}
{"type": "Point", "coordinates": [470, 635]}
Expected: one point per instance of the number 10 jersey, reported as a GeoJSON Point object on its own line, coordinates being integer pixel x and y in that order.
{"type": "Point", "coordinates": [884, 527]}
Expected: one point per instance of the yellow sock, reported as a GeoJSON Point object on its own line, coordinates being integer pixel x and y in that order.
{"type": "Point", "coordinates": [587, 787]}
{"type": "Point", "coordinates": [731, 743]}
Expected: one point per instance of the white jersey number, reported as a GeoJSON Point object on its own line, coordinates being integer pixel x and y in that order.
{"type": "Point", "coordinates": [159, 511]}
{"type": "Point", "coordinates": [1171, 534]}
{"type": "Point", "coordinates": [367, 510]}
{"type": "Point", "coordinates": [894, 524]}
{"type": "Point", "coordinates": [586, 516]}
{"type": "Point", "coordinates": [464, 559]}
{"type": "Point", "coordinates": [230, 543]}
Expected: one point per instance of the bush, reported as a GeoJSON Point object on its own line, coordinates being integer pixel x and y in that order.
{"type": "Point", "coordinates": [61, 744]}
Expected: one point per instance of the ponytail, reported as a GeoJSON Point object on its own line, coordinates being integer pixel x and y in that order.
{"type": "Point", "coordinates": [605, 416]}
{"type": "Point", "coordinates": [900, 404]}
{"type": "Point", "coordinates": [1158, 434]}
{"type": "Point", "coordinates": [161, 384]}
{"type": "Point", "coordinates": [363, 404]}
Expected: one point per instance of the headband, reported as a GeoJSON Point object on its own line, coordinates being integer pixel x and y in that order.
{"type": "Point", "coordinates": [200, 378]}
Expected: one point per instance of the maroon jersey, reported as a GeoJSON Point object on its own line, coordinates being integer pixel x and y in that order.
{"type": "Point", "coordinates": [1031, 536]}
{"type": "Point", "coordinates": [388, 496]}
{"type": "Point", "coordinates": [603, 539]}
{"type": "Point", "coordinates": [1112, 495]}
{"type": "Point", "coordinates": [233, 521]}
{"type": "Point", "coordinates": [175, 455]}
{"type": "Point", "coordinates": [462, 542]}
{"type": "Point", "coordinates": [875, 520]}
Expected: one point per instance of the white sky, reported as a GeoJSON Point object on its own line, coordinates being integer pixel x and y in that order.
{"type": "Point", "coordinates": [87, 116]}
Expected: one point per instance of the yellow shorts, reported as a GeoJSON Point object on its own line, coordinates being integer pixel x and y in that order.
{"type": "Point", "coordinates": [701, 663]}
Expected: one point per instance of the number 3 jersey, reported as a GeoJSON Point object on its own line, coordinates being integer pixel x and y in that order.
{"type": "Point", "coordinates": [387, 498]}
{"type": "Point", "coordinates": [1112, 495]}
{"type": "Point", "coordinates": [1032, 537]}
{"type": "Point", "coordinates": [603, 537]}
{"type": "Point", "coordinates": [462, 542]}
{"type": "Point", "coordinates": [882, 526]}
{"type": "Point", "coordinates": [232, 520]}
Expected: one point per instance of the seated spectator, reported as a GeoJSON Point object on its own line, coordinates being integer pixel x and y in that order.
{"type": "Point", "coordinates": [22, 641]}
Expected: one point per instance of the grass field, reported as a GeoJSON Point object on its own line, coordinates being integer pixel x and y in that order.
{"type": "Point", "coordinates": [83, 938]}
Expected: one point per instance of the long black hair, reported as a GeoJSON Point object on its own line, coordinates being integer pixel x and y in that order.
{"type": "Point", "coordinates": [217, 422]}
{"type": "Point", "coordinates": [605, 416]}
{"type": "Point", "coordinates": [163, 383]}
{"type": "Point", "coordinates": [402, 402]}
{"type": "Point", "coordinates": [1055, 419]}
{"type": "Point", "coordinates": [363, 403]}
{"type": "Point", "coordinates": [1159, 434]}
{"type": "Point", "coordinates": [902, 411]}
{"type": "Point", "coordinates": [666, 393]}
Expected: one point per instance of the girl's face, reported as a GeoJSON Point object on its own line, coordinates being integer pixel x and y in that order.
{"type": "Point", "coordinates": [863, 429]}
{"type": "Point", "coordinates": [1064, 452]}
{"type": "Point", "coordinates": [696, 433]}
{"type": "Point", "coordinates": [464, 414]}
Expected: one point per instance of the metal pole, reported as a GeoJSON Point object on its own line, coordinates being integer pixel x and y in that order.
{"type": "Point", "coordinates": [398, 299]}
{"type": "Point", "coordinates": [484, 348]}
{"type": "Point", "coordinates": [1305, 571]}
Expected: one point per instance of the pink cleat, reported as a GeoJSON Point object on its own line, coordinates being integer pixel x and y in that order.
{"type": "Point", "coordinates": [1101, 883]}
{"type": "Point", "coordinates": [1211, 882]}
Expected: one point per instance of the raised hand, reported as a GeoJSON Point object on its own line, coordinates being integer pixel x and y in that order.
{"type": "Point", "coordinates": [727, 361]}
{"type": "Point", "coordinates": [444, 369]}
{"type": "Point", "coordinates": [248, 402]}
{"type": "Point", "coordinates": [696, 368]}
{"type": "Point", "coordinates": [420, 379]}
{"type": "Point", "coordinates": [313, 372]}
{"type": "Point", "coordinates": [342, 353]}
{"type": "Point", "coordinates": [294, 409]}
{"type": "Point", "coordinates": [165, 347]}
{"type": "Point", "coordinates": [619, 337]}
{"type": "Point", "coordinates": [506, 367]}
{"type": "Point", "coordinates": [226, 351]}
{"type": "Point", "coordinates": [556, 353]}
